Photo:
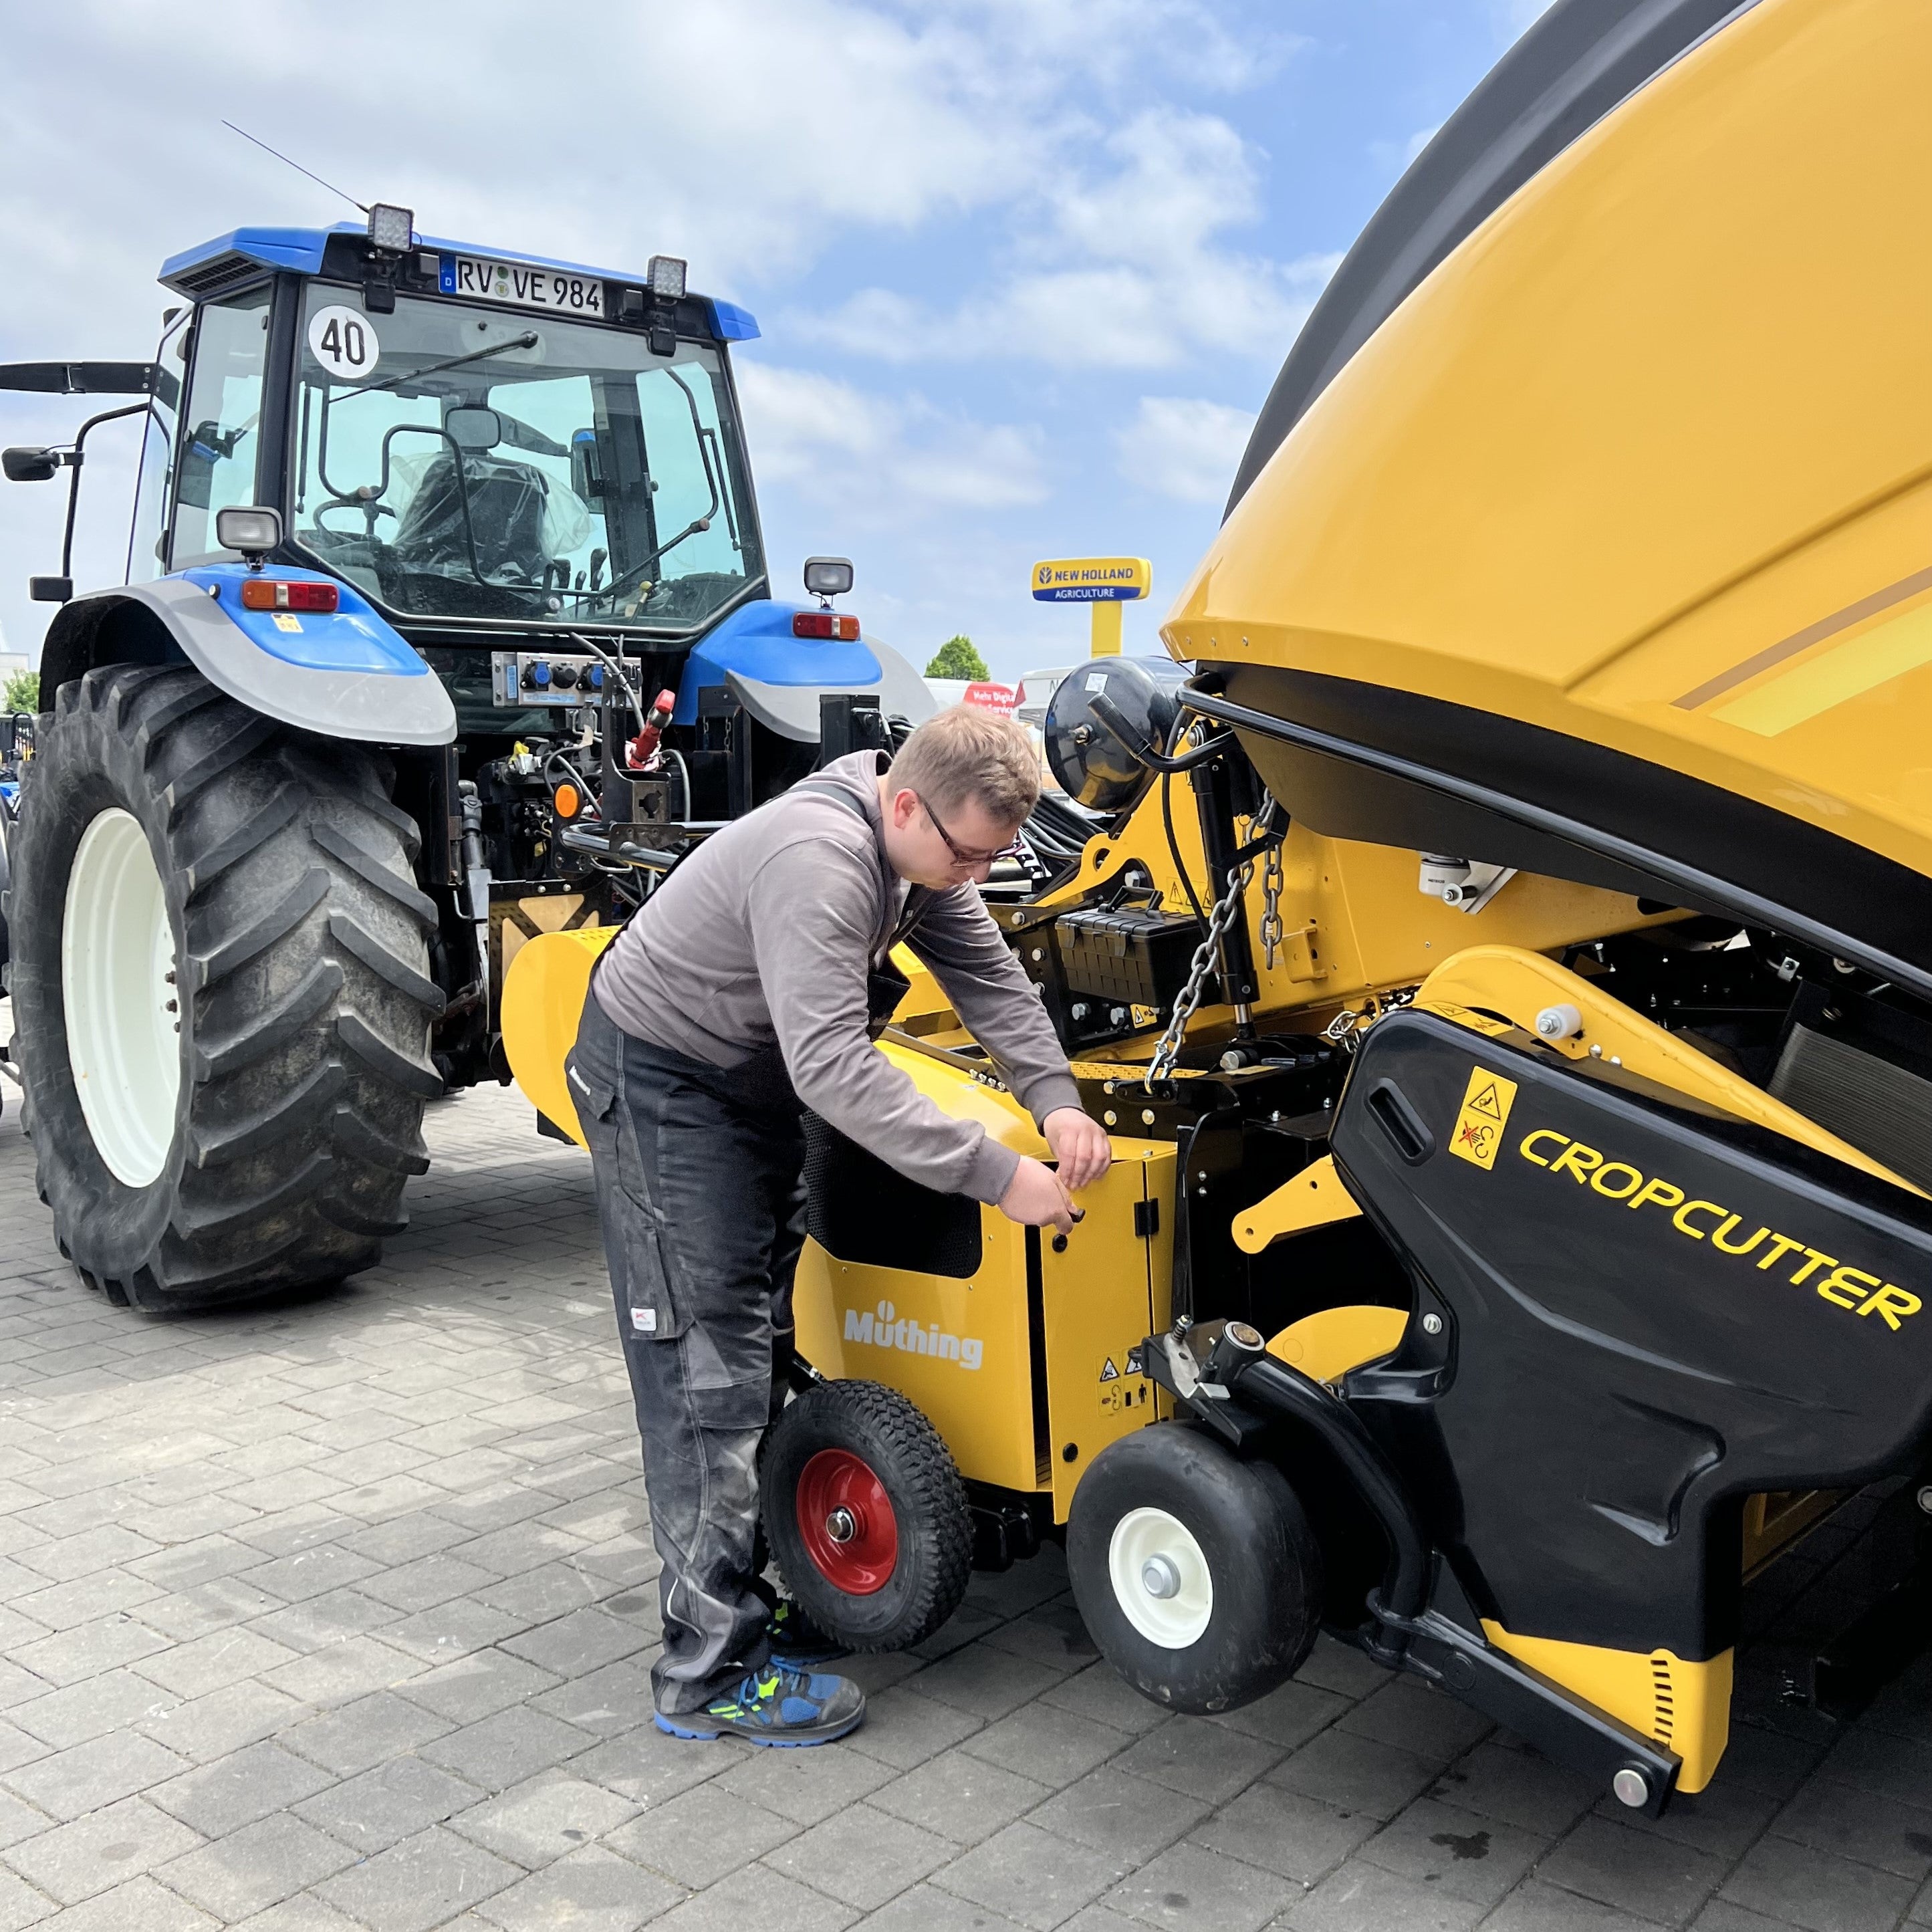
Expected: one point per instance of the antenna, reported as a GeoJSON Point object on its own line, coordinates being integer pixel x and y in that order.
{"type": "Point", "coordinates": [298, 166]}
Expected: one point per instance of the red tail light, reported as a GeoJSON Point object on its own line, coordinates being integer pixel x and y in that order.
{"type": "Point", "coordinates": [825, 624]}
{"type": "Point", "coordinates": [271, 593]}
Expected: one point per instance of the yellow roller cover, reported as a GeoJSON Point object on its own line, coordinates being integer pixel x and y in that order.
{"type": "Point", "coordinates": [543, 1000]}
{"type": "Point", "coordinates": [1647, 460]}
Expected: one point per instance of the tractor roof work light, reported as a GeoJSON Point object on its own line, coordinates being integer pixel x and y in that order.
{"type": "Point", "coordinates": [250, 529]}
{"type": "Point", "coordinates": [665, 274]}
{"type": "Point", "coordinates": [392, 229]}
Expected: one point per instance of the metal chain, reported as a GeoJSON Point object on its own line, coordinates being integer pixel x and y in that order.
{"type": "Point", "coordinates": [1205, 954]}
{"type": "Point", "coordinates": [1343, 1029]}
{"type": "Point", "coordinates": [1226, 910]}
{"type": "Point", "coordinates": [1271, 905]}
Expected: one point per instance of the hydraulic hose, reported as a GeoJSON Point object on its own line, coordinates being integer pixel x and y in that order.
{"type": "Point", "coordinates": [1277, 1390]}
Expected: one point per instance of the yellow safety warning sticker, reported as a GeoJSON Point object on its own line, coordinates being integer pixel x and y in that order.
{"type": "Point", "coordinates": [1108, 1373]}
{"type": "Point", "coordinates": [1468, 1016]}
{"type": "Point", "coordinates": [1486, 1110]}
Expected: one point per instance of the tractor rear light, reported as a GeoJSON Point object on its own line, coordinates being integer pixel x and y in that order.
{"type": "Point", "coordinates": [825, 624]}
{"type": "Point", "coordinates": [270, 593]}
{"type": "Point", "coordinates": [566, 801]}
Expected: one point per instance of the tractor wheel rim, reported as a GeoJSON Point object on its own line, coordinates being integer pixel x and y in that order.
{"type": "Point", "coordinates": [846, 1521]}
{"type": "Point", "coordinates": [1160, 1578]}
{"type": "Point", "coordinates": [118, 969]}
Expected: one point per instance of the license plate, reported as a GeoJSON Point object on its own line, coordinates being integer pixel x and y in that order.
{"type": "Point", "coordinates": [523, 284]}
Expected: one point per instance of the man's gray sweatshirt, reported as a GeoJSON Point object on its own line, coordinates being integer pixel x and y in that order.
{"type": "Point", "coordinates": [766, 934]}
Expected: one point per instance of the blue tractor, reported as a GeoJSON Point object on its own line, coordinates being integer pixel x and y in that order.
{"type": "Point", "coordinates": [422, 534]}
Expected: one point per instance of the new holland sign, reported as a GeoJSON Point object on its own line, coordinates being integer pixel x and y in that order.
{"type": "Point", "coordinates": [1092, 580]}
{"type": "Point", "coordinates": [1104, 582]}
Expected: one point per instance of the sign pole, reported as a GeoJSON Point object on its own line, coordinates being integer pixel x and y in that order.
{"type": "Point", "coordinates": [1106, 630]}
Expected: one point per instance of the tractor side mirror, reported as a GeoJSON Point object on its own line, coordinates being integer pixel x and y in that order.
{"type": "Point", "coordinates": [471, 427]}
{"type": "Point", "coordinates": [587, 480]}
{"type": "Point", "coordinates": [828, 576]}
{"type": "Point", "coordinates": [249, 528]}
{"type": "Point", "coordinates": [26, 465]}
{"type": "Point", "coordinates": [50, 590]}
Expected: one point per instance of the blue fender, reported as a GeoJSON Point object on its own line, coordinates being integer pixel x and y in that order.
{"type": "Point", "coordinates": [342, 674]}
{"type": "Point", "coordinates": [777, 676]}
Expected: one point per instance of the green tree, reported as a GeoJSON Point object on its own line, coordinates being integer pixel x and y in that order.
{"type": "Point", "coordinates": [957, 658]}
{"type": "Point", "coordinates": [22, 692]}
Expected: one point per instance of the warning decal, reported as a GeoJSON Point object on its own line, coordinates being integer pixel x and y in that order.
{"type": "Point", "coordinates": [1486, 1101]}
{"type": "Point", "coordinates": [1108, 1373]}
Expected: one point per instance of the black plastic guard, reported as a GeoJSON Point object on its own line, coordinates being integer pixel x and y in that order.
{"type": "Point", "coordinates": [1683, 1311]}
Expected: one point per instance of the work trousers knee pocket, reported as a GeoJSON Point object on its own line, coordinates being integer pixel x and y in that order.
{"type": "Point", "coordinates": [634, 1240]}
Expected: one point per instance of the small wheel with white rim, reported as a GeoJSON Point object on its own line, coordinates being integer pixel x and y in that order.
{"type": "Point", "coordinates": [1197, 1573]}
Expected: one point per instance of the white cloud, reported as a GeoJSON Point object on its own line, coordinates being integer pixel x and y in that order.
{"type": "Point", "coordinates": [883, 460]}
{"type": "Point", "coordinates": [1119, 267]}
{"type": "Point", "coordinates": [1183, 447]}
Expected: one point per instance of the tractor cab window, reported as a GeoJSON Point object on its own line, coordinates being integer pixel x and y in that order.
{"type": "Point", "coordinates": [147, 540]}
{"type": "Point", "coordinates": [215, 467]}
{"type": "Point", "coordinates": [460, 462]}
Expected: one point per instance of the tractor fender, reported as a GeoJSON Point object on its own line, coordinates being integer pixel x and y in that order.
{"type": "Point", "coordinates": [777, 676]}
{"type": "Point", "coordinates": [342, 674]}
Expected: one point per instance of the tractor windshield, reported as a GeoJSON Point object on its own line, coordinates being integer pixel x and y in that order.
{"type": "Point", "coordinates": [455, 462]}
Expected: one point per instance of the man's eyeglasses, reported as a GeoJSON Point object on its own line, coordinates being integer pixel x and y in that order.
{"type": "Point", "coordinates": [964, 855]}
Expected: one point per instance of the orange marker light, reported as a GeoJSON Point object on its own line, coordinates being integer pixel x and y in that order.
{"type": "Point", "coordinates": [836, 624]}
{"type": "Point", "coordinates": [566, 801]}
{"type": "Point", "coordinates": [270, 593]}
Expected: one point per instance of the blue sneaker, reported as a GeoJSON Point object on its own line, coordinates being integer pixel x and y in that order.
{"type": "Point", "coordinates": [797, 1641]}
{"type": "Point", "coordinates": [776, 1705]}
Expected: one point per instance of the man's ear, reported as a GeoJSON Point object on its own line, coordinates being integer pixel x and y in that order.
{"type": "Point", "coordinates": [903, 805]}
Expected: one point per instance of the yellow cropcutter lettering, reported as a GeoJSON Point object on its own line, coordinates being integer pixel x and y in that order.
{"type": "Point", "coordinates": [1578, 1159]}
{"type": "Point", "coordinates": [1843, 1285]}
{"type": "Point", "coordinates": [1681, 1220]}
{"type": "Point", "coordinates": [1893, 1303]}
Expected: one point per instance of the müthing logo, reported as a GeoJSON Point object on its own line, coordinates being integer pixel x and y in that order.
{"type": "Point", "coordinates": [887, 1330]}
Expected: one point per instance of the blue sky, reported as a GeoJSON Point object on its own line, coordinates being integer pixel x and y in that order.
{"type": "Point", "coordinates": [1025, 268]}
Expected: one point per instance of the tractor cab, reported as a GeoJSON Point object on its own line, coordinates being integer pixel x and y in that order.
{"type": "Point", "coordinates": [489, 451]}
{"type": "Point", "coordinates": [444, 589]}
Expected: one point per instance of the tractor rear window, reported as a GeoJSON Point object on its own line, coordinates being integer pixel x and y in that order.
{"type": "Point", "coordinates": [458, 462]}
{"type": "Point", "coordinates": [219, 443]}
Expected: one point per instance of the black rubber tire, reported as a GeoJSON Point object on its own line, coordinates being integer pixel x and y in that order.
{"type": "Point", "coordinates": [1263, 1560]}
{"type": "Point", "coordinates": [6, 882]}
{"type": "Point", "coordinates": [935, 1527]}
{"type": "Point", "coordinates": [302, 944]}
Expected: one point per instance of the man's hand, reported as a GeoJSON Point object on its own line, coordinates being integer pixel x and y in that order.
{"type": "Point", "coordinates": [1080, 1144]}
{"type": "Point", "coordinates": [1035, 1196]}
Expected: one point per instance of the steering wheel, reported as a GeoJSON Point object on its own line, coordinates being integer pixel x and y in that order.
{"type": "Point", "coordinates": [368, 512]}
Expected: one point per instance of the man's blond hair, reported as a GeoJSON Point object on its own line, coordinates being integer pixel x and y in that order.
{"type": "Point", "coordinates": [964, 753]}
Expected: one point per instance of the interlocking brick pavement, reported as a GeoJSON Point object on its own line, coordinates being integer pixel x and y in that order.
{"type": "Point", "coordinates": [337, 1613]}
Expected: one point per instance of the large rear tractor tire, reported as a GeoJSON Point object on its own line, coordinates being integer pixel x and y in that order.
{"type": "Point", "coordinates": [221, 992]}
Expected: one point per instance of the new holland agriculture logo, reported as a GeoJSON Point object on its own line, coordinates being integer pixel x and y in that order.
{"type": "Point", "coordinates": [887, 1329]}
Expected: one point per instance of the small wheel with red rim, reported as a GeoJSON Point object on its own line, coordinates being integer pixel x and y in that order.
{"type": "Point", "coordinates": [865, 1515]}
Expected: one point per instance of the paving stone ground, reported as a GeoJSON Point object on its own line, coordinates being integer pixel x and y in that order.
{"type": "Point", "coordinates": [338, 1614]}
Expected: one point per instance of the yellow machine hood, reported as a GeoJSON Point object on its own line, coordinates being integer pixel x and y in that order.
{"type": "Point", "coordinates": [1621, 521]}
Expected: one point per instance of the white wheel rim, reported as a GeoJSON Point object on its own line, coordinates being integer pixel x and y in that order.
{"type": "Point", "coordinates": [117, 965]}
{"type": "Point", "coordinates": [1150, 1548]}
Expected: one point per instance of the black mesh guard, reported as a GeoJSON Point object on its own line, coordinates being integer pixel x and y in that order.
{"type": "Point", "coordinates": [860, 1209]}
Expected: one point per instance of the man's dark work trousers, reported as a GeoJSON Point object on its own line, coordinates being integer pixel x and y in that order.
{"type": "Point", "coordinates": [699, 1185]}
